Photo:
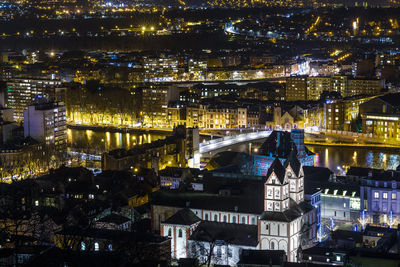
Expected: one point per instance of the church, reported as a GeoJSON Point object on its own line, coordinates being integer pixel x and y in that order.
{"type": "Point", "coordinates": [238, 210]}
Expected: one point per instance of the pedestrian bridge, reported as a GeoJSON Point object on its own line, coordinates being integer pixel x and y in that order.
{"type": "Point", "coordinates": [218, 143]}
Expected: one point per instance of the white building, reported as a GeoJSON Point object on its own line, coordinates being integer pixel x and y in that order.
{"type": "Point", "coordinates": [287, 222]}
{"type": "Point", "coordinates": [273, 209]}
{"type": "Point", "coordinates": [47, 124]}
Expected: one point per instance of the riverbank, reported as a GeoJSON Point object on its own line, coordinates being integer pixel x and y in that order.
{"type": "Point", "coordinates": [113, 129]}
{"type": "Point", "coordinates": [351, 145]}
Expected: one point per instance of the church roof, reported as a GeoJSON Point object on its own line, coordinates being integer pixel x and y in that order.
{"type": "Point", "coordinates": [278, 169]}
{"type": "Point", "coordinates": [294, 162]}
{"type": "Point", "coordinates": [295, 211]}
{"type": "Point", "coordinates": [195, 200]}
{"type": "Point", "coordinates": [183, 217]}
{"type": "Point", "coordinates": [231, 233]}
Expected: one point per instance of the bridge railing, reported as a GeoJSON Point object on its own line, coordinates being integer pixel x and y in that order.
{"type": "Point", "coordinates": [233, 139]}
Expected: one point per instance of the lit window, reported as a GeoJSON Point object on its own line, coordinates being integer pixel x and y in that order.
{"type": "Point", "coordinates": [376, 195]}
{"type": "Point", "coordinates": [385, 195]}
{"type": "Point", "coordinates": [83, 246]}
{"type": "Point", "coordinates": [394, 196]}
{"type": "Point", "coordinates": [96, 246]}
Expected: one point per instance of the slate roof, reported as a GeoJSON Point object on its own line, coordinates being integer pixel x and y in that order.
{"type": "Point", "coordinates": [235, 234]}
{"type": "Point", "coordinates": [347, 235]}
{"type": "Point", "coordinates": [262, 257]}
{"type": "Point", "coordinates": [392, 99]}
{"type": "Point", "coordinates": [295, 211]}
{"type": "Point", "coordinates": [117, 235]}
{"type": "Point", "coordinates": [278, 169]}
{"type": "Point", "coordinates": [183, 217]}
{"type": "Point", "coordinates": [196, 200]}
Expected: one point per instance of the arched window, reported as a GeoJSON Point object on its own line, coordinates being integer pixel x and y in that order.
{"type": "Point", "coordinates": [216, 218]}
{"type": "Point", "coordinates": [269, 193]}
{"type": "Point", "coordinates": [83, 246]}
{"type": "Point", "coordinates": [169, 232]}
{"type": "Point", "coordinates": [180, 233]}
{"type": "Point", "coordinates": [234, 219]}
{"type": "Point", "coordinates": [243, 220]}
{"type": "Point", "coordinates": [96, 246]}
{"type": "Point", "coordinates": [253, 220]}
{"type": "Point", "coordinates": [206, 217]}
{"type": "Point", "coordinates": [224, 218]}
{"type": "Point", "coordinates": [292, 186]}
{"type": "Point", "coordinates": [272, 245]}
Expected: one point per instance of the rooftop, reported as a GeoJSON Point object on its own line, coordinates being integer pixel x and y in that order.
{"type": "Point", "coordinates": [183, 217]}
{"type": "Point", "coordinates": [235, 234]}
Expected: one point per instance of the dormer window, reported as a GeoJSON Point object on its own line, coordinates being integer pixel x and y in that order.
{"type": "Point", "coordinates": [273, 181]}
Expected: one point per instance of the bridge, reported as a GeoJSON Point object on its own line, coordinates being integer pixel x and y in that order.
{"type": "Point", "coordinates": [218, 143]}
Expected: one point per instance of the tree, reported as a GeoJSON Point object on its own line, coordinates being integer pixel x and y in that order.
{"type": "Point", "coordinates": [207, 246]}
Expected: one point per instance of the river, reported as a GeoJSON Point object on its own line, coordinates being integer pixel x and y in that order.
{"type": "Point", "coordinates": [335, 158]}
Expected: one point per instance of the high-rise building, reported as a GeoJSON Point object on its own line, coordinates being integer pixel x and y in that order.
{"type": "Point", "coordinates": [364, 87]}
{"type": "Point", "coordinates": [47, 124]}
{"type": "Point", "coordinates": [339, 84]}
{"type": "Point", "coordinates": [317, 85]}
{"type": "Point", "coordinates": [23, 92]}
{"type": "Point", "coordinates": [334, 115]}
{"type": "Point", "coordinates": [296, 88]}
{"type": "Point", "coordinates": [155, 99]}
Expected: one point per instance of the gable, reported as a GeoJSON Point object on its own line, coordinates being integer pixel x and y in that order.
{"type": "Point", "coordinates": [272, 180]}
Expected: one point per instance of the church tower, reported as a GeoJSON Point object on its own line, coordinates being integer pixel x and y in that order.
{"type": "Point", "coordinates": [295, 176]}
{"type": "Point", "coordinates": [276, 188]}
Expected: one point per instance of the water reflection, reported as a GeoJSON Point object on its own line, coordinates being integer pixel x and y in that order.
{"type": "Point", "coordinates": [330, 157]}
{"type": "Point", "coordinates": [334, 157]}
{"type": "Point", "coordinates": [97, 142]}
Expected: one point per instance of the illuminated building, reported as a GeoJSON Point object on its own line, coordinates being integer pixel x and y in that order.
{"type": "Point", "coordinates": [380, 116]}
{"type": "Point", "coordinates": [269, 212]}
{"type": "Point", "coordinates": [364, 87]}
{"type": "Point", "coordinates": [222, 116]}
{"type": "Point", "coordinates": [339, 84]}
{"type": "Point", "coordinates": [47, 124]}
{"type": "Point", "coordinates": [173, 151]}
{"type": "Point", "coordinates": [296, 88]}
{"type": "Point", "coordinates": [23, 92]}
{"type": "Point", "coordinates": [334, 115]}
{"type": "Point", "coordinates": [317, 85]}
{"type": "Point", "coordinates": [380, 194]}
{"type": "Point", "coordinates": [155, 99]}
{"type": "Point", "coordinates": [287, 119]}
{"type": "Point", "coordinates": [22, 158]}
